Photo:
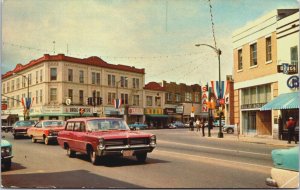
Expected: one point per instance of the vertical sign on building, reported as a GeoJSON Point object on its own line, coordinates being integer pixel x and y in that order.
{"type": "Point", "coordinates": [204, 99]}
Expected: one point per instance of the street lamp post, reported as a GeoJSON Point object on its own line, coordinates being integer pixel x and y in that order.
{"type": "Point", "coordinates": [27, 111]}
{"type": "Point", "coordinates": [218, 52]}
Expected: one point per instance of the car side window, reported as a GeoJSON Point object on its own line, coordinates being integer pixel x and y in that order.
{"type": "Point", "coordinates": [70, 126]}
{"type": "Point", "coordinates": [82, 126]}
{"type": "Point", "coordinates": [77, 126]}
{"type": "Point", "coordinates": [39, 125]}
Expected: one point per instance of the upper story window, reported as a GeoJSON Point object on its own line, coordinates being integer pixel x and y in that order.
{"type": "Point", "coordinates": [177, 97]}
{"type": "Point", "coordinates": [81, 96]}
{"type": "Point", "coordinates": [294, 55]}
{"type": "Point", "coordinates": [93, 78]}
{"type": "Point", "coordinates": [111, 97]}
{"type": "Point", "coordinates": [112, 80]}
{"type": "Point", "coordinates": [3, 87]}
{"type": "Point", "coordinates": [29, 79]}
{"type": "Point", "coordinates": [70, 75]}
{"type": "Point", "coordinates": [157, 101]}
{"type": "Point", "coordinates": [240, 59]}
{"type": "Point", "coordinates": [70, 94]}
{"type": "Point", "coordinates": [257, 94]}
{"type": "Point", "coordinates": [168, 96]}
{"type": "Point", "coordinates": [253, 54]}
{"type": "Point", "coordinates": [8, 87]}
{"type": "Point", "coordinates": [53, 94]}
{"type": "Point", "coordinates": [53, 73]}
{"type": "Point", "coordinates": [18, 98]}
{"type": "Point", "coordinates": [81, 77]}
{"type": "Point", "coordinates": [149, 100]}
{"type": "Point", "coordinates": [23, 82]}
{"type": "Point", "coordinates": [12, 85]}
{"type": "Point", "coordinates": [18, 83]}
{"type": "Point", "coordinates": [197, 97]}
{"type": "Point", "coordinates": [98, 78]}
{"type": "Point", "coordinates": [136, 100]}
{"type": "Point", "coordinates": [188, 97]}
{"type": "Point", "coordinates": [124, 98]}
{"type": "Point", "coordinates": [135, 83]}
{"type": "Point", "coordinates": [41, 96]}
{"type": "Point", "coordinates": [41, 75]}
{"type": "Point", "coordinates": [36, 97]}
{"type": "Point", "coordinates": [37, 77]}
{"type": "Point", "coordinates": [124, 81]}
{"type": "Point", "coordinates": [268, 49]}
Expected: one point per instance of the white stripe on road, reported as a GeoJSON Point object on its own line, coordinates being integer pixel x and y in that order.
{"type": "Point", "coordinates": [208, 147]}
{"type": "Point", "coordinates": [216, 161]}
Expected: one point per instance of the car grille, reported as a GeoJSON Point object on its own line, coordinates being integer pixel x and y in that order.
{"type": "Point", "coordinates": [20, 130]}
{"type": "Point", "coordinates": [130, 141]}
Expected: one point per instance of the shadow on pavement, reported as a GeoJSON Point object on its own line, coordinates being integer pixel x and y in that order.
{"type": "Point", "coordinates": [119, 161]}
{"type": "Point", "coordinates": [70, 179]}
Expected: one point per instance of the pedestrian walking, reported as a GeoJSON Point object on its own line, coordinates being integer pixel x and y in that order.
{"type": "Point", "coordinates": [198, 124]}
{"type": "Point", "coordinates": [291, 124]}
{"type": "Point", "coordinates": [203, 126]}
{"type": "Point", "coordinates": [191, 124]}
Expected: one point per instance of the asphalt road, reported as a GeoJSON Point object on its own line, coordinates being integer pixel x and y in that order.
{"type": "Point", "coordinates": [182, 159]}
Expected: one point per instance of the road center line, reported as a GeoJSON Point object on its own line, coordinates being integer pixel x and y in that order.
{"type": "Point", "coordinates": [208, 147]}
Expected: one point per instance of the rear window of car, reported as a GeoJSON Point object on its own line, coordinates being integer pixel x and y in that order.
{"type": "Point", "coordinates": [102, 125]}
{"type": "Point", "coordinates": [24, 123]}
{"type": "Point", "coordinates": [53, 123]}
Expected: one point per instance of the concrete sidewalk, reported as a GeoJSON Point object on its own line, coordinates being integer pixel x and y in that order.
{"type": "Point", "coordinates": [250, 139]}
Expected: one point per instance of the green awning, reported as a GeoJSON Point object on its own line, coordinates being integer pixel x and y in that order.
{"type": "Point", "coordinates": [61, 114]}
{"type": "Point", "coordinates": [283, 101]}
{"type": "Point", "coordinates": [154, 115]}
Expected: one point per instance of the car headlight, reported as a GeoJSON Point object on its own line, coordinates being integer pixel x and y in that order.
{"type": "Point", "coordinates": [101, 143]}
{"type": "Point", "coordinates": [5, 150]}
{"type": "Point", "coordinates": [153, 140]}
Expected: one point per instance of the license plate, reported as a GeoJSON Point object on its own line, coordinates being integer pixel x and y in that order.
{"type": "Point", "coordinates": [127, 153]}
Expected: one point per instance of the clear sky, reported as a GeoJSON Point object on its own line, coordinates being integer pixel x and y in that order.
{"type": "Point", "coordinates": [158, 35]}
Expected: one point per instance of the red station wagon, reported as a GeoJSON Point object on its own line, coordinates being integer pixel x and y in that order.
{"type": "Point", "coordinates": [45, 130]}
{"type": "Point", "coordinates": [98, 137]}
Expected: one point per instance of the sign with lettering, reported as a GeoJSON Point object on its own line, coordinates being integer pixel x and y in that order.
{"type": "Point", "coordinates": [157, 111]}
{"type": "Point", "coordinates": [179, 109]}
{"type": "Point", "coordinates": [169, 111]}
{"type": "Point", "coordinates": [288, 69]}
{"type": "Point", "coordinates": [135, 111]}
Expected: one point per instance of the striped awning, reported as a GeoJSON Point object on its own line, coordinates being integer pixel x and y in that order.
{"type": "Point", "coordinates": [283, 101]}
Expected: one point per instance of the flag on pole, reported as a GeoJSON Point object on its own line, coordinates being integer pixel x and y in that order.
{"type": "Point", "coordinates": [219, 92]}
{"type": "Point", "coordinates": [117, 103]}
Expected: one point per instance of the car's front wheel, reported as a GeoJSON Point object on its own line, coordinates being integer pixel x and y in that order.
{"type": "Point", "coordinates": [141, 157]}
{"type": "Point", "coordinates": [230, 130]}
{"type": "Point", "coordinates": [33, 139]}
{"type": "Point", "coordinates": [46, 140]}
{"type": "Point", "coordinates": [94, 158]}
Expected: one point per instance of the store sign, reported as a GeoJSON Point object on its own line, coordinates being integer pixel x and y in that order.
{"type": "Point", "coordinates": [154, 111]}
{"type": "Point", "coordinates": [113, 111]}
{"type": "Point", "coordinates": [135, 111]}
{"type": "Point", "coordinates": [169, 111]}
{"type": "Point", "coordinates": [204, 100]}
{"type": "Point", "coordinates": [76, 109]}
{"type": "Point", "coordinates": [293, 82]}
{"type": "Point", "coordinates": [179, 109]}
{"type": "Point", "coordinates": [3, 106]}
{"type": "Point", "coordinates": [52, 109]}
{"type": "Point", "coordinates": [251, 106]}
{"type": "Point", "coordinates": [288, 69]}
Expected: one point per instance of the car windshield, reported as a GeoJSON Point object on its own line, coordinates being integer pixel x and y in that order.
{"type": "Point", "coordinates": [106, 124]}
{"type": "Point", "coordinates": [24, 123]}
{"type": "Point", "coordinates": [53, 123]}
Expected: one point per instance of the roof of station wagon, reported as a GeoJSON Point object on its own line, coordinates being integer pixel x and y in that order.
{"type": "Point", "coordinates": [93, 118]}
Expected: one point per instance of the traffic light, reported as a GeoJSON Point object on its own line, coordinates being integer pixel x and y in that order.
{"type": "Point", "coordinates": [90, 101]}
{"type": "Point", "coordinates": [99, 100]}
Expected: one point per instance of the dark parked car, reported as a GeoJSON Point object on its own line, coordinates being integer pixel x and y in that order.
{"type": "Point", "coordinates": [20, 128]}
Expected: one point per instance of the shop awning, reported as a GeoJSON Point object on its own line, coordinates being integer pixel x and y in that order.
{"type": "Point", "coordinates": [61, 114]}
{"type": "Point", "coordinates": [283, 101]}
{"type": "Point", "coordinates": [4, 117]}
{"type": "Point", "coordinates": [160, 116]}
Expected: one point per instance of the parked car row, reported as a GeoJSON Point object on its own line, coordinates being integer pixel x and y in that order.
{"type": "Point", "coordinates": [94, 136]}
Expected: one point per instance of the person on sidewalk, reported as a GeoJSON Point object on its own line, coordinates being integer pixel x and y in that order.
{"type": "Point", "coordinates": [198, 124]}
{"type": "Point", "coordinates": [291, 124]}
{"type": "Point", "coordinates": [203, 126]}
{"type": "Point", "coordinates": [192, 124]}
